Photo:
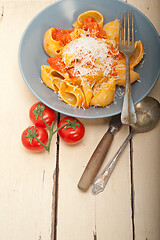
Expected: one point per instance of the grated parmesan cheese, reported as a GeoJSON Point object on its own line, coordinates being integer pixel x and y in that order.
{"type": "Point", "coordinates": [91, 56]}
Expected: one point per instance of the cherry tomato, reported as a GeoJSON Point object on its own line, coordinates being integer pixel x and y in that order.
{"type": "Point", "coordinates": [30, 142]}
{"type": "Point", "coordinates": [39, 109]}
{"type": "Point", "coordinates": [73, 132]}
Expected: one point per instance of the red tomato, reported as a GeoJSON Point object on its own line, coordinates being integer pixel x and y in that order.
{"type": "Point", "coordinates": [30, 142]}
{"type": "Point", "coordinates": [62, 35]}
{"type": "Point", "coordinates": [73, 132]}
{"type": "Point", "coordinates": [48, 114]}
{"type": "Point", "coordinates": [57, 63]}
{"type": "Point", "coordinates": [90, 24]}
{"type": "Point", "coordinates": [86, 22]}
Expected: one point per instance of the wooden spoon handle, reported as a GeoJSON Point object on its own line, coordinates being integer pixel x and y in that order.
{"type": "Point", "coordinates": [96, 161]}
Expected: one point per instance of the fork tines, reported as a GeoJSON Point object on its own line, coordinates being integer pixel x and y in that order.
{"type": "Point", "coordinates": [126, 29]}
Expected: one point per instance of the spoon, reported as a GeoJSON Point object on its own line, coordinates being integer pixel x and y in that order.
{"type": "Point", "coordinates": [148, 114]}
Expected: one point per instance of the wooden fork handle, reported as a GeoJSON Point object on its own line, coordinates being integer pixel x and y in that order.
{"type": "Point", "coordinates": [96, 160]}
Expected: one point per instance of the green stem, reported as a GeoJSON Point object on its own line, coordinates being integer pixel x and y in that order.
{"type": "Point", "coordinates": [60, 127]}
{"type": "Point", "coordinates": [45, 123]}
{"type": "Point", "coordinates": [41, 143]}
{"type": "Point", "coordinates": [39, 112]}
{"type": "Point", "coordinates": [51, 133]}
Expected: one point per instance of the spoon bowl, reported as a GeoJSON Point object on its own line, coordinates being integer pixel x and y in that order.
{"type": "Point", "coordinates": [148, 114]}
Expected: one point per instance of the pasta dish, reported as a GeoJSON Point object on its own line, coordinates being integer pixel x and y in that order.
{"type": "Point", "coordinates": [84, 64]}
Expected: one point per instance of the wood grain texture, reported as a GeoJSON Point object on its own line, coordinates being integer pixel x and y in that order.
{"type": "Point", "coordinates": [146, 157]}
{"type": "Point", "coordinates": [26, 178]}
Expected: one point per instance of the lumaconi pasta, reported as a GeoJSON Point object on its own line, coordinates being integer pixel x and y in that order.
{"type": "Point", "coordinates": [112, 30]}
{"type": "Point", "coordinates": [51, 46]}
{"type": "Point", "coordinates": [85, 64]}
{"type": "Point", "coordinates": [94, 14]}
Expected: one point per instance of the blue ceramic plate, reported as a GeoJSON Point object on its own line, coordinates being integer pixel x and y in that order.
{"type": "Point", "coordinates": [62, 14]}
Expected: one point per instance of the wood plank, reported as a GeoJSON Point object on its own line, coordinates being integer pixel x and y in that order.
{"type": "Point", "coordinates": [146, 167]}
{"type": "Point", "coordinates": [146, 156]}
{"type": "Point", "coordinates": [26, 178]}
{"type": "Point", "coordinates": [80, 214]}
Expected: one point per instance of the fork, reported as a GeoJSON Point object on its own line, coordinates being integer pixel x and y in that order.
{"type": "Point", "coordinates": [128, 115]}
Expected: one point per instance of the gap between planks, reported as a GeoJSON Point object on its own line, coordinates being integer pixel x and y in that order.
{"type": "Point", "coordinates": [132, 189]}
{"type": "Point", "coordinates": [55, 191]}
{"type": "Point", "coordinates": [2, 13]}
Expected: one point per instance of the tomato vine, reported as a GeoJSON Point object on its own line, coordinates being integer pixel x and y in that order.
{"type": "Point", "coordinates": [32, 132]}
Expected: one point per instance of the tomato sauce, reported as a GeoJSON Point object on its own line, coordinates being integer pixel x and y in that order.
{"type": "Point", "coordinates": [90, 24]}
{"type": "Point", "coordinates": [72, 73]}
{"type": "Point", "coordinates": [62, 35]}
{"type": "Point", "coordinates": [120, 56]}
{"type": "Point", "coordinates": [113, 70]}
{"type": "Point", "coordinates": [57, 63]}
{"type": "Point", "coordinates": [111, 50]}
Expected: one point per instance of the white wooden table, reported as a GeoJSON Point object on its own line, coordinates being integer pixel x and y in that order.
{"type": "Point", "coordinates": [33, 205]}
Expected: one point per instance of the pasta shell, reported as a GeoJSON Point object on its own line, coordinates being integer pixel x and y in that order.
{"type": "Point", "coordinates": [112, 30]}
{"type": "Point", "coordinates": [51, 77]}
{"type": "Point", "coordinates": [88, 93]}
{"type": "Point", "coordinates": [121, 75]}
{"type": "Point", "coordinates": [77, 33]}
{"type": "Point", "coordinates": [98, 85]}
{"type": "Point", "coordinates": [71, 94]}
{"type": "Point", "coordinates": [137, 55]}
{"type": "Point", "coordinates": [105, 95]}
{"type": "Point", "coordinates": [93, 79]}
{"type": "Point", "coordinates": [75, 81]}
{"type": "Point", "coordinates": [96, 15]}
{"type": "Point", "coordinates": [51, 46]}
